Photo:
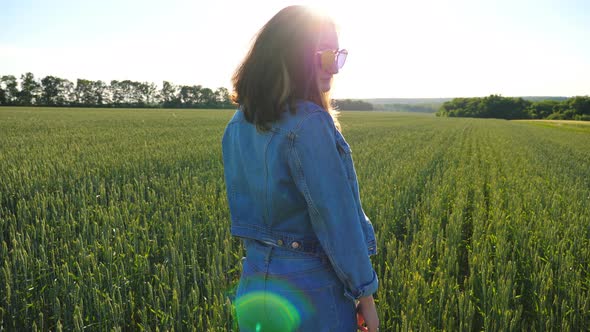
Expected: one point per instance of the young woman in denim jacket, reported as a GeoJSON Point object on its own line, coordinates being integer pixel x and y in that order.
{"type": "Point", "coordinates": [292, 188]}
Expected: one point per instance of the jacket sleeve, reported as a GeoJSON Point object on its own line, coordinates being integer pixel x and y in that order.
{"type": "Point", "coordinates": [321, 176]}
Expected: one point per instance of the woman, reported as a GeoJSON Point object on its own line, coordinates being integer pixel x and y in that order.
{"type": "Point", "coordinates": [292, 188]}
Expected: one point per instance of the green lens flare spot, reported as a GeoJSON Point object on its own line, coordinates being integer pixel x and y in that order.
{"type": "Point", "coordinates": [264, 312]}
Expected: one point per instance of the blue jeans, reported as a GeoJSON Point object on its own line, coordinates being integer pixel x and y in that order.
{"type": "Point", "coordinates": [286, 290]}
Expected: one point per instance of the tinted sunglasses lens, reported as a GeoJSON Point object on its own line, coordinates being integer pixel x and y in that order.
{"type": "Point", "coordinates": [341, 58]}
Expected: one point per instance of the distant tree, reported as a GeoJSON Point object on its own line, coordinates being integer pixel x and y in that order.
{"type": "Point", "coordinates": [127, 93]}
{"type": "Point", "coordinates": [9, 85]}
{"type": "Point", "coordinates": [223, 97]}
{"type": "Point", "coordinates": [84, 93]}
{"type": "Point", "coordinates": [30, 90]}
{"type": "Point", "coordinates": [190, 96]}
{"type": "Point", "coordinates": [206, 98]}
{"type": "Point", "coordinates": [56, 91]}
{"type": "Point", "coordinates": [168, 95]}
{"type": "Point", "coordinates": [459, 107]}
{"type": "Point", "coordinates": [569, 114]}
{"type": "Point", "coordinates": [496, 106]}
{"type": "Point", "coordinates": [197, 96]}
{"type": "Point", "coordinates": [186, 96]}
{"type": "Point", "coordinates": [130, 93]}
{"type": "Point", "coordinates": [148, 92]}
{"type": "Point", "coordinates": [139, 92]}
{"type": "Point", "coordinates": [542, 109]}
{"type": "Point", "coordinates": [101, 93]}
{"type": "Point", "coordinates": [2, 96]}
{"type": "Point", "coordinates": [117, 93]}
{"type": "Point", "coordinates": [49, 86]}
{"type": "Point", "coordinates": [579, 104]}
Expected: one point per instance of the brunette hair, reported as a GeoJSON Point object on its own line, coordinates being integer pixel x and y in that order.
{"type": "Point", "coordinates": [281, 67]}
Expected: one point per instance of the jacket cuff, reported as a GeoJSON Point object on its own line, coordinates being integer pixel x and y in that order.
{"type": "Point", "coordinates": [363, 290]}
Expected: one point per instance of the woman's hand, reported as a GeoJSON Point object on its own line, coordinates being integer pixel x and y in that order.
{"type": "Point", "coordinates": [366, 313]}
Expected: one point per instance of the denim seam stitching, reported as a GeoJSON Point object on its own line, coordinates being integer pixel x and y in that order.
{"type": "Point", "coordinates": [315, 213]}
{"type": "Point", "coordinates": [266, 187]}
{"type": "Point", "coordinates": [306, 117]}
{"type": "Point", "coordinates": [273, 233]}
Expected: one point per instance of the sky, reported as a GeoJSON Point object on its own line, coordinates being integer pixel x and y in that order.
{"type": "Point", "coordinates": [397, 49]}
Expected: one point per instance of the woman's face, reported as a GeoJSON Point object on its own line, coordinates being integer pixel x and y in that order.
{"type": "Point", "coordinates": [328, 42]}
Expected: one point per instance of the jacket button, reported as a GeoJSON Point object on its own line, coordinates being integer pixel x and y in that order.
{"type": "Point", "coordinates": [280, 242]}
{"type": "Point", "coordinates": [295, 245]}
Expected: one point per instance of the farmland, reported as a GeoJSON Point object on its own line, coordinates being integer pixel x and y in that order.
{"type": "Point", "coordinates": [117, 220]}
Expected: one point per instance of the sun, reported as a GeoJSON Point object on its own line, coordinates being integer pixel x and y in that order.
{"type": "Point", "coordinates": [339, 11]}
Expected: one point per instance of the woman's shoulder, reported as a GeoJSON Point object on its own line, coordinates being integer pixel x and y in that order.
{"type": "Point", "coordinates": [308, 106]}
{"type": "Point", "coordinates": [307, 112]}
{"type": "Point", "coordinates": [237, 117]}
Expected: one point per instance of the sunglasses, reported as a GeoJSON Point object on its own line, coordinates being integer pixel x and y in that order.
{"type": "Point", "coordinates": [329, 58]}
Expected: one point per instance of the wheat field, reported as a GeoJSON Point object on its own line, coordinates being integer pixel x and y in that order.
{"type": "Point", "coordinates": [116, 219]}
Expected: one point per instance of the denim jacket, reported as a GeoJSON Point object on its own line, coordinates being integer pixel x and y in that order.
{"type": "Point", "coordinates": [295, 186]}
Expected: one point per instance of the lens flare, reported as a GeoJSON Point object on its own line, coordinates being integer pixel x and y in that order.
{"type": "Point", "coordinates": [263, 311]}
{"type": "Point", "coordinates": [272, 305]}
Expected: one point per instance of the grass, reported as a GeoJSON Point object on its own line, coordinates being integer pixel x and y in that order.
{"type": "Point", "coordinates": [581, 126]}
{"type": "Point", "coordinates": [117, 220]}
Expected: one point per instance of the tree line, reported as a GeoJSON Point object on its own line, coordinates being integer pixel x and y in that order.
{"type": "Point", "coordinates": [59, 92]}
{"type": "Point", "coordinates": [352, 104]}
{"type": "Point", "coordinates": [417, 108]}
{"type": "Point", "coordinates": [496, 106]}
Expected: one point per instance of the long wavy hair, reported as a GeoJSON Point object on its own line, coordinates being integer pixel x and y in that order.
{"type": "Point", "coordinates": [281, 67]}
